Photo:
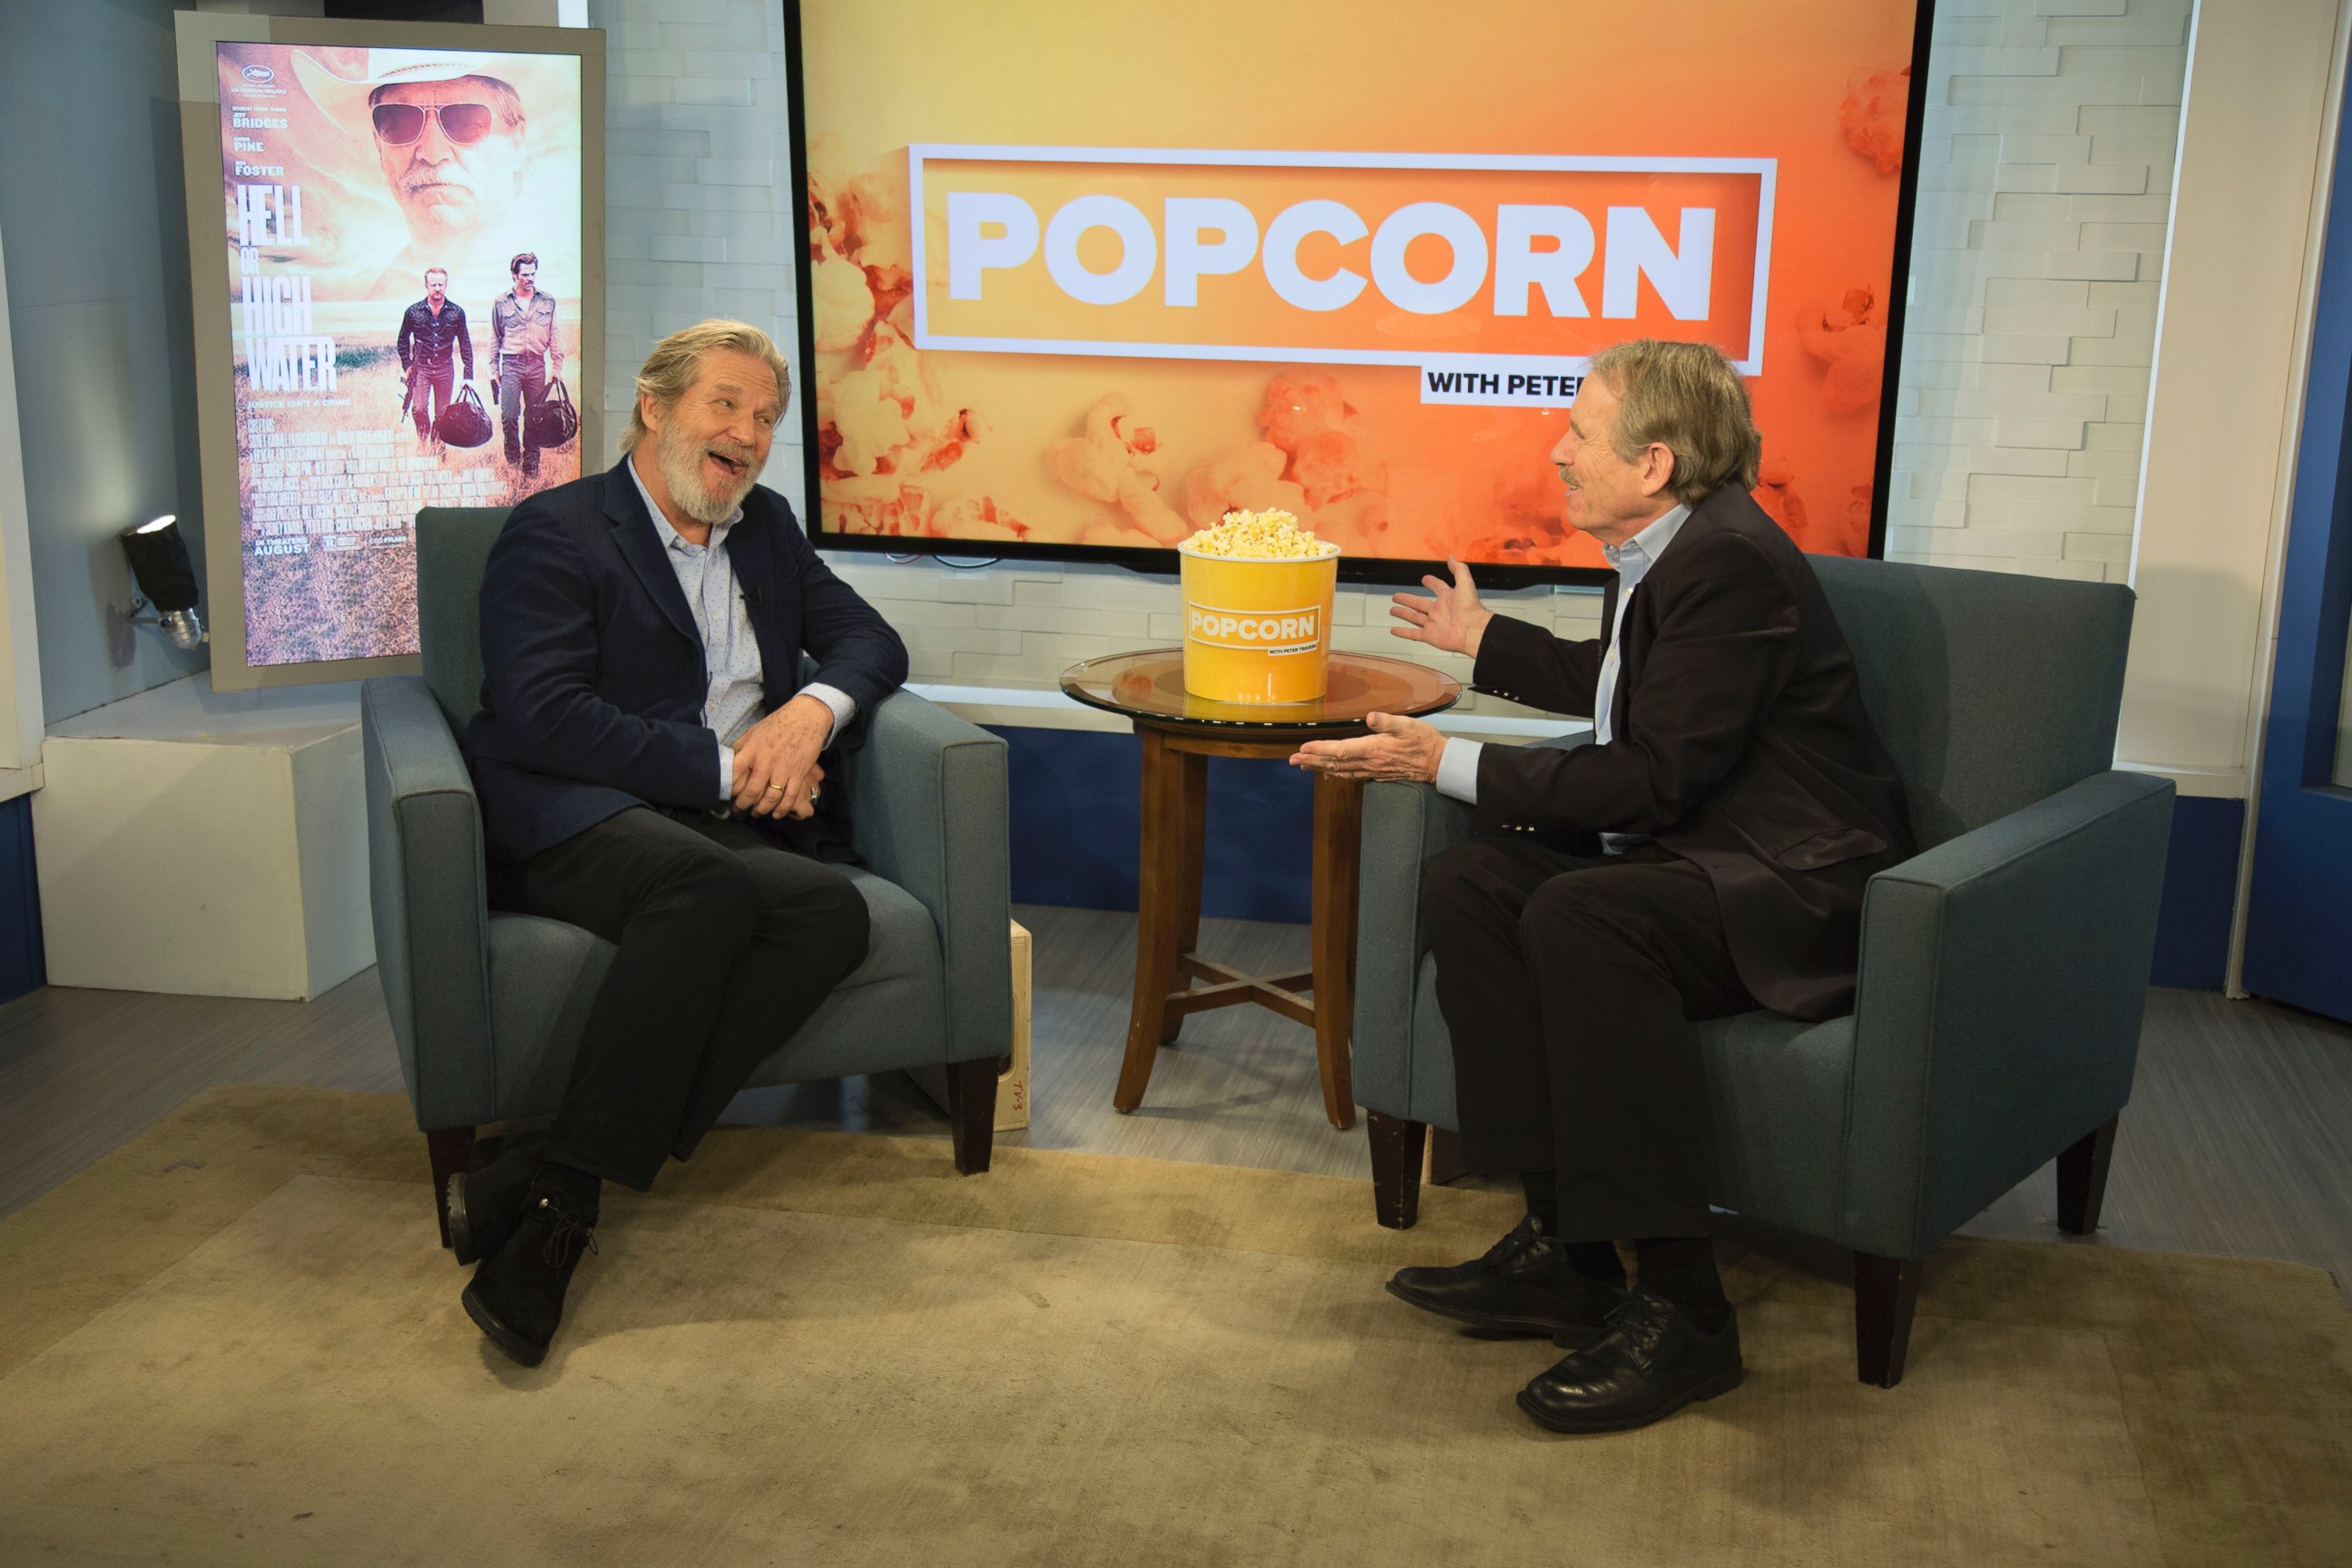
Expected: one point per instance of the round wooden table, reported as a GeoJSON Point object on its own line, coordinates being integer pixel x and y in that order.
{"type": "Point", "coordinates": [1181, 732]}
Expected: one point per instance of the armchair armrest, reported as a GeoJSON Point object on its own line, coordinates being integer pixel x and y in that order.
{"type": "Point", "coordinates": [927, 810]}
{"type": "Point", "coordinates": [1404, 824]}
{"type": "Point", "coordinates": [2003, 977]}
{"type": "Point", "coordinates": [427, 888]}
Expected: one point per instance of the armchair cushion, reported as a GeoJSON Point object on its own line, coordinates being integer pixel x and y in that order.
{"type": "Point", "coordinates": [888, 1014]}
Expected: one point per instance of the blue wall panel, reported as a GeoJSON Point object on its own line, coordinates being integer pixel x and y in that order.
{"type": "Point", "coordinates": [23, 967]}
{"type": "Point", "coordinates": [2200, 889]}
{"type": "Point", "coordinates": [1076, 818]}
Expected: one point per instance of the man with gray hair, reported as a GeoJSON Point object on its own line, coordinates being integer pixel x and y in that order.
{"type": "Point", "coordinates": [1707, 855]}
{"type": "Point", "coordinates": [649, 763]}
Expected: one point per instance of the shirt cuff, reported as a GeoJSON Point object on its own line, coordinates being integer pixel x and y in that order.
{"type": "Point", "coordinates": [726, 772]}
{"type": "Point", "coordinates": [1457, 770]}
{"type": "Point", "coordinates": [844, 706]}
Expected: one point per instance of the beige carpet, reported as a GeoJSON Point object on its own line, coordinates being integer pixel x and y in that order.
{"type": "Point", "coordinates": [235, 1341]}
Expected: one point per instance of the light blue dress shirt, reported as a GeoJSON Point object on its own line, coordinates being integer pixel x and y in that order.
{"type": "Point", "coordinates": [1457, 767]}
{"type": "Point", "coordinates": [730, 649]}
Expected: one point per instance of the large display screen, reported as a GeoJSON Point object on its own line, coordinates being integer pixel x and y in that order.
{"type": "Point", "coordinates": [1082, 277]}
{"type": "Point", "coordinates": [405, 244]}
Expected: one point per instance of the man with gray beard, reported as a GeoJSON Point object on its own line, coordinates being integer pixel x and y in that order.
{"type": "Point", "coordinates": [650, 767]}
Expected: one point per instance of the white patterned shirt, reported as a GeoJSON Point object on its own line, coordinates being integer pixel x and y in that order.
{"type": "Point", "coordinates": [731, 650]}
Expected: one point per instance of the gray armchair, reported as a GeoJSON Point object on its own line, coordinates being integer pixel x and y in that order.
{"type": "Point", "coordinates": [2004, 968]}
{"type": "Point", "coordinates": [487, 1008]}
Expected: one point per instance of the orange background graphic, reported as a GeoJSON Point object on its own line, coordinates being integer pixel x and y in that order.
{"type": "Point", "coordinates": [1115, 448]}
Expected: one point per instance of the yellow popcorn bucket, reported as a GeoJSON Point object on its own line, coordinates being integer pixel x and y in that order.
{"type": "Point", "coordinates": [1257, 629]}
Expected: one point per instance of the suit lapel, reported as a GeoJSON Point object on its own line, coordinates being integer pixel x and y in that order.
{"type": "Point", "coordinates": [1633, 636]}
{"type": "Point", "coordinates": [640, 545]}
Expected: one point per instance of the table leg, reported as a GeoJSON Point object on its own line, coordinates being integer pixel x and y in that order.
{"type": "Point", "coordinates": [1338, 825]}
{"type": "Point", "coordinates": [1161, 915]}
{"type": "Point", "coordinates": [1445, 1156]}
{"type": "Point", "coordinates": [1193, 789]}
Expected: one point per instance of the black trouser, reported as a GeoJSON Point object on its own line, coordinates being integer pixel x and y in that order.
{"type": "Point", "coordinates": [727, 945]}
{"type": "Point", "coordinates": [1567, 982]}
{"type": "Point", "coordinates": [522, 381]}
{"type": "Point", "coordinates": [430, 388]}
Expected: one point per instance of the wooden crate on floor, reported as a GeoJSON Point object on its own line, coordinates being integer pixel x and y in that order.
{"type": "Point", "coordinates": [1012, 1083]}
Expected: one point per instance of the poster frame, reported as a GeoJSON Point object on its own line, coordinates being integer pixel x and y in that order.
{"type": "Point", "coordinates": [198, 34]}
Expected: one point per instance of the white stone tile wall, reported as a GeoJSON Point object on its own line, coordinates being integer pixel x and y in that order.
{"type": "Point", "coordinates": [2046, 171]}
{"type": "Point", "coordinates": [2045, 187]}
{"type": "Point", "coordinates": [697, 175]}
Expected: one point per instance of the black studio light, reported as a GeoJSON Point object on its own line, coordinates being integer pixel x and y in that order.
{"type": "Point", "coordinates": [167, 579]}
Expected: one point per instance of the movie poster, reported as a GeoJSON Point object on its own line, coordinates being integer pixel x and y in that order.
{"type": "Point", "coordinates": [404, 274]}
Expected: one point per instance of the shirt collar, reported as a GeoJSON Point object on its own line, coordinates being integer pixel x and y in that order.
{"type": "Point", "coordinates": [1639, 553]}
{"type": "Point", "coordinates": [669, 536]}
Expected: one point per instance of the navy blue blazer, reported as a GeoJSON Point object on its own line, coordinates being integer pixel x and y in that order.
{"type": "Point", "coordinates": [593, 674]}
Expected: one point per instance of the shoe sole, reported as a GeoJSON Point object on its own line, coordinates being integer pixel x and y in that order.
{"type": "Point", "coordinates": [1493, 1323]}
{"type": "Point", "coordinates": [516, 1347]}
{"type": "Point", "coordinates": [461, 1229]}
{"type": "Point", "coordinates": [1714, 1387]}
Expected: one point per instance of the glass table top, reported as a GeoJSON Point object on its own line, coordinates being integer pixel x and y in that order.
{"type": "Point", "coordinates": [1149, 685]}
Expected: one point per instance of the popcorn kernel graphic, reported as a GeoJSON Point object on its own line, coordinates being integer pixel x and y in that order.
{"type": "Point", "coordinates": [884, 413]}
{"type": "Point", "coordinates": [843, 300]}
{"type": "Point", "coordinates": [1247, 479]}
{"type": "Point", "coordinates": [1848, 335]}
{"type": "Point", "coordinates": [1307, 415]}
{"type": "Point", "coordinates": [1872, 115]}
{"type": "Point", "coordinates": [1775, 493]}
{"type": "Point", "coordinates": [1119, 461]}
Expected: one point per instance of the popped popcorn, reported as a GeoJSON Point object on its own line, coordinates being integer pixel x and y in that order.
{"type": "Point", "coordinates": [1270, 536]}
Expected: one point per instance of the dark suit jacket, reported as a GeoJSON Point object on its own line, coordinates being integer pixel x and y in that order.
{"type": "Point", "coordinates": [1740, 742]}
{"type": "Point", "coordinates": [593, 673]}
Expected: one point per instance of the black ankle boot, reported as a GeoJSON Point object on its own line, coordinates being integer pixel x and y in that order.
{"type": "Point", "coordinates": [517, 1296]}
{"type": "Point", "coordinates": [484, 1204]}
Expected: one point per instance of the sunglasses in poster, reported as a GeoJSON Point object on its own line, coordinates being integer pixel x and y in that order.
{"type": "Point", "coordinates": [400, 125]}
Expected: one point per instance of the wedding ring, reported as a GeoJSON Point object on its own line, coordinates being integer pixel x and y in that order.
{"type": "Point", "coordinates": [775, 789]}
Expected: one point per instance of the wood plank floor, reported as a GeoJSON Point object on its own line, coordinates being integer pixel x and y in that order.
{"type": "Point", "coordinates": [2234, 1143]}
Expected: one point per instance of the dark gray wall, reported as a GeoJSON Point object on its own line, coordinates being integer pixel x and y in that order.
{"type": "Point", "coordinates": [93, 223]}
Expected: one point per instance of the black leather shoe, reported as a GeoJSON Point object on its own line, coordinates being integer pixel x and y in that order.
{"type": "Point", "coordinates": [1524, 1285]}
{"type": "Point", "coordinates": [1651, 1361]}
{"type": "Point", "coordinates": [517, 1296]}
{"type": "Point", "coordinates": [485, 1204]}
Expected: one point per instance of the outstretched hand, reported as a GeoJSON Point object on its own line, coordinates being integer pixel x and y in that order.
{"type": "Point", "coordinates": [1405, 750]}
{"type": "Point", "coordinates": [1449, 618]}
